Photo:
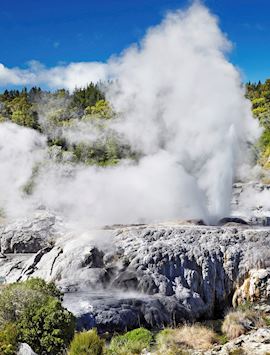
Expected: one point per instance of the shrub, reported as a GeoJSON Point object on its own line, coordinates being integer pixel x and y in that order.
{"type": "Point", "coordinates": [186, 337]}
{"type": "Point", "coordinates": [41, 321]}
{"type": "Point", "coordinates": [239, 322]}
{"type": "Point", "coordinates": [47, 328]}
{"type": "Point", "coordinates": [14, 298]}
{"type": "Point", "coordinates": [47, 288]}
{"type": "Point", "coordinates": [132, 342]}
{"type": "Point", "coordinates": [86, 343]}
{"type": "Point", "coordinates": [8, 339]}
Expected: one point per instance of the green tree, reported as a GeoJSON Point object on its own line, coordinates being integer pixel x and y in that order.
{"type": "Point", "coordinates": [22, 112]}
{"type": "Point", "coordinates": [87, 96]}
{"type": "Point", "coordinates": [101, 109]}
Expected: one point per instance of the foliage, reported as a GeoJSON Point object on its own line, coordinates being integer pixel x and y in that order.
{"type": "Point", "coordinates": [266, 319]}
{"type": "Point", "coordinates": [47, 327]}
{"type": "Point", "coordinates": [61, 111]}
{"type": "Point", "coordinates": [86, 343]}
{"type": "Point", "coordinates": [22, 112]}
{"type": "Point", "coordinates": [101, 109]}
{"type": "Point", "coordinates": [259, 94]}
{"type": "Point", "coordinates": [47, 288]}
{"type": "Point", "coordinates": [87, 96]}
{"type": "Point", "coordinates": [34, 308]}
{"type": "Point", "coordinates": [8, 339]}
{"type": "Point", "coordinates": [132, 342]}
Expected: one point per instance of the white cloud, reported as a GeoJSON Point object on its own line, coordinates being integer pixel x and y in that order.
{"type": "Point", "coordinates": [63, 76]}
{"type": "Point", "coordinates": [15, 76]}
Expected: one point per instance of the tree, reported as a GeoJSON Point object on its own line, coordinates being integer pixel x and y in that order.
{"type": "Point", "coordinates": [87, 96]}
{"type": "Point", "coordinates": [101, 109]}
{"type": "Point", "coordinates": [22, 112]}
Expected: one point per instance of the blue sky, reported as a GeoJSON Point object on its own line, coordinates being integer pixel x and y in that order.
{"type": "Point", "coordinates": [64, 31]}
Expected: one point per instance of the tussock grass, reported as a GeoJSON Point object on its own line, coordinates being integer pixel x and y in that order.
{"type": "Point", "coordinates": [186, 337]}
{"type": "Point", "coordinates": [240, 322]}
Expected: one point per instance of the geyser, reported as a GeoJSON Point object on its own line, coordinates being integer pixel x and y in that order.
{"type": "Point", "coordinates": [181, 105]}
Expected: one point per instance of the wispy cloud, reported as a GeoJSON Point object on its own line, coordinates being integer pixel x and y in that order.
{"type": "Point", "coordinates": [253, 26]}
{"type": "Point", "coordinates": [56, 44]}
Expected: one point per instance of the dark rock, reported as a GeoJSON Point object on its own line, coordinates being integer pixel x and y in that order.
{"type": "Point", "coordinates": [236, 220]}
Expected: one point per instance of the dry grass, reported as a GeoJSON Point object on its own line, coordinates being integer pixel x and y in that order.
{"type": "Point", "coordinates": [186, 337]}
{"type": "Point", "coordinates": [237, 323]}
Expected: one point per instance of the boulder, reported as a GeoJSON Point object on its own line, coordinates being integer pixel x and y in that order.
{"type": "Point", "coordinates": [254, 343]}
{"type": "Point", "coordinates": [28, 235]}
{"type": "Point", "coordinates": [25, 349]}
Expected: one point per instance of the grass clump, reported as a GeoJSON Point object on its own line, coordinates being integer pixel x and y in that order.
{"type": "Point", "coordinates": [240, 322]}
{"type": "Point", "coordinates": [87, 343]}
{"type": "Point", "coordinates": [176, 341]}
{"type": "Point", "coordinates": [166, 343]}
{"type": "Point", "coordinates": [131, 343]}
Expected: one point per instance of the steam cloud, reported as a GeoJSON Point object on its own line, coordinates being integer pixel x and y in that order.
{"type": "Point", "coordinates": [181, 105]}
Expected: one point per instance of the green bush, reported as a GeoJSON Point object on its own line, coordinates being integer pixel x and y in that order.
{"type": "Point", "coordinates": [34, 306]}
{"type": "Point", "coordinates": [46, 328]}
{"type": "Point", "coordinates": [14, 298]}
{"type": "Point", "coordinates": [86, 343]}
{"type": "Point", "coordinates": [132, 342]}
{"type": "Point", "coordinates": [47, 288]}
{"type": "Point", "coordinates": [8, 339]}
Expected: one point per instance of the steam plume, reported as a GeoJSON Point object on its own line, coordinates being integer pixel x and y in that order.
{"type": "Point", "coordinates": [181, 104]}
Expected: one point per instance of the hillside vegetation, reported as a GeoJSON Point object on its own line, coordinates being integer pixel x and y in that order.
{"type": "Point", "coordinates": [58, 114]}
{"type": "Point", "coordinates": [259, 94]}
{"type": "Point", "coordinates": [55, 114]}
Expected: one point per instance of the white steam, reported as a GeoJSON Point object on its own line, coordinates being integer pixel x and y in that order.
{"type": "Point", "coordinates": [181, 104]}
{"type": "Point", "coordinates": [21, 149]}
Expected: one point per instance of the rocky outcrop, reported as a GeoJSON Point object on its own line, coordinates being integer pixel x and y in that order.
{"type": "Point", "coordinates": [254, 343]}
{"type": "Point", "coordinates": [255, 289]}
{"type": "Point", "coordinates": [152, 275]}
{"type": "Point", "coordinates": [28, 235]}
